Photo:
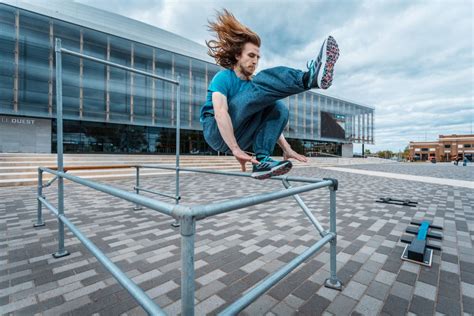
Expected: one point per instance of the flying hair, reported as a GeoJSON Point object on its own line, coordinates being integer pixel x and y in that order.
{"type": "Point", "coordinates": [231, 36]}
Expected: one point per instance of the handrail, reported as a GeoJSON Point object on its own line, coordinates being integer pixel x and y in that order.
{"type": "Point", "coordinates": [202, 211]}
{"type": "Point", "coordinates": [235, 174]}
{"type": "Point", "coordinates": [159, 206]}
{"type": "Point", "coordinates": [267, 283]}
{"type": "Point", "coordinates": [187, 216]}
{"type": "Point", "coordinates": [121, 277]}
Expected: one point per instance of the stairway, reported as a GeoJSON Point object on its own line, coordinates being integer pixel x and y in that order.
{"type": "Point", "coordinates": [22, 169]}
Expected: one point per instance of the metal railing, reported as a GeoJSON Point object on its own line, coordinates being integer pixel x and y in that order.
{"type": "Point", "coordinates": [184, 215]}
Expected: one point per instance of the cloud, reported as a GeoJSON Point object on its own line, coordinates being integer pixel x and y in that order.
{"type": "Point", "coordinates": [411, 60]}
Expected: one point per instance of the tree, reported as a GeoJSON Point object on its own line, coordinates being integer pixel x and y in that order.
{"type": "Point", "coordinates": [367, 152]}
{"type": "Point", "coordinates": [387, 154]}
{"type": "Point", "coordinates": [406, 153]}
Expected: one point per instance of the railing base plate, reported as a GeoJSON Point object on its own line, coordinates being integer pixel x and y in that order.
{"type": "Point", "coordinates": [58, 255]}
{"type": "Point", "coordinates": [337, 285]}
{"type": "Point", "coordinates": [39, 224]}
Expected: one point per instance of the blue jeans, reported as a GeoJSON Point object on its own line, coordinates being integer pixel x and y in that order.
{"type": "Point", "coordinates": [257, 113]}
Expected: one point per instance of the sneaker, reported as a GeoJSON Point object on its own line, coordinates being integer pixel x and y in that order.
{"type": "Point", "coordinates": [268, 168]}
{"type": "Point", "coordinates": [322, 78]}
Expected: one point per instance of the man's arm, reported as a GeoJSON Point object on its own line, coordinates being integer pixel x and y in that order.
{"type": "Point", "coordinates": [224, 123]}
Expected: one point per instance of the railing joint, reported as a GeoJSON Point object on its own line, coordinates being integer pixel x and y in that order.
{"type": "Point", "coordinates": [335, 183]}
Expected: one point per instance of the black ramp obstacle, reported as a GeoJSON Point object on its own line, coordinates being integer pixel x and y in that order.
{"type": "Point", "coordinates": [419, 249]}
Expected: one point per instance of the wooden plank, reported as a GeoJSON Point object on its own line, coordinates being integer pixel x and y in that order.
{"type": "Point", "coordinates": [93, 167]}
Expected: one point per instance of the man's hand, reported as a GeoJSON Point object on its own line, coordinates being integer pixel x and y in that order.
{"type": "Point", "coordinates": [290, 153]}
{"type": "Point", "coordinates": [243, 158]}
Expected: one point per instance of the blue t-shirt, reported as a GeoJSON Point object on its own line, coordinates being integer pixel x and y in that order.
{"type": "Point", "coordinates": [225, 82]}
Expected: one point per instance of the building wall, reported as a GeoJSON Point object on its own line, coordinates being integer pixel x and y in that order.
{"type": "Point", "coordinates": [347, 150]}
{"type": "Point", "coordinates": [94, 92]}
{"type": "Point", "coordinates": [24, 135]}
{"type": "Point", "coordinates": [423, 151]}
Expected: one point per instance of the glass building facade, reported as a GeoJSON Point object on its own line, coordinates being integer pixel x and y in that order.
{"type": "Point", "coordinates": [111, 110]}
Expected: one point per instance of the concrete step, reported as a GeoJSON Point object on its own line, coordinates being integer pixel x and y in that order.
{"type": "Point", "coordinates": [74, 157]}
{"type": "Point", "coordinates": [108, 160]}
{"type": "Point", "coordinates": [33, 166]}
{"type": "Point", "coordinates": [16, 169]}
{"type": "Point", "coordinates": [103, 175]}
{"type": "Point", "coordinates": [32, 172]}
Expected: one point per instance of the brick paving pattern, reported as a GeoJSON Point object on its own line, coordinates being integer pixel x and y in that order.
{"type": "Point", "coordinates": [234, 251]}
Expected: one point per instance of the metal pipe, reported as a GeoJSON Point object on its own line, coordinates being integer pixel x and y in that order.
{"type": "Point", "coordinates": [39, 217]}
{"type": "Point", "coordinates": [159, 206]}
{"type": "Point", "coordinates": [178, 141]}
{"type": "Point", "coordinates": [306, 210]}
{"type": "Point", "coordinates": [50, 182]}
{"type": "Point", "coordinates": [121, 277]}
{"type": "Point", "coordinates": [137, 187]}
{"type": "Point", "coordinates": [157, 193]}
{"type": "Point", "coordinates": [236, 174]}
{"type": "Point", "coordinates": [43, 200]}
{"type": "Point", "coordinates": [266, 284]}
{"type": "Point", "coordinates": [332, 224]}
{"type": "Point", "coordinates": [186, 215]}
{"type": "Point", "coordinates": [59, 147]}
{"type": "Point", "coordinates": [202, 211]}
{"type": "Point", "coordinates": [144, 73]}
{"type": "Point", "coordinates": [188, 228]}
{"type": "Point", "coordinates": [178, 144]}
{"type": "Point", "coordinates": [333, 282]}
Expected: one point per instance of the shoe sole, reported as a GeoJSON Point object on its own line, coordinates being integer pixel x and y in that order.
{"type": "Point", "coordinates": [277, 171]}
{"type": "Point", "coordinates": [330, 58]}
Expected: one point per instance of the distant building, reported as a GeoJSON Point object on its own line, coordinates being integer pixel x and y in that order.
{"type": "Point", "coordinates": [447, 148]}
{"type": "Point", "coordinates": [112, 111]}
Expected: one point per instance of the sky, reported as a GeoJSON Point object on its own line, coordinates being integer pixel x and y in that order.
{"type": "Point", "coordinates": [413, 61]}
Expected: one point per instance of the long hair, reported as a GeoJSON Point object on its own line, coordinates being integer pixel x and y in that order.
{"type": "Point", "coordinates": [231, 36]}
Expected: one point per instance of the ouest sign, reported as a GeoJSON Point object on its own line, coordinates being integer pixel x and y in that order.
{"type": "Point", "coordinates": [16, 120]}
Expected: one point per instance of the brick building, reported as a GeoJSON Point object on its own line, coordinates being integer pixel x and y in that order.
{"type": "Point", "coordinates": [447, 148]}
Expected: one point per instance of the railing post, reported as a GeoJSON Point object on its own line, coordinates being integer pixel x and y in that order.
{"type": "Point", "coordinates": [178, 144]}
{"type": "Point", "coordinates": [59, 146]}
{"type": "Point", "coordinates": [39, 219]}
{"type": "Point", "coordinates": [333, 282]}
{"type": "Point", "coordinates": [137, 188]}
{"type": "Point", "coordinates": [188, 229]}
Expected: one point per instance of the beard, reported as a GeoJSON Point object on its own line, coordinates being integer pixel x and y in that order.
{"type": "Point", "coordinates": [248, 72]}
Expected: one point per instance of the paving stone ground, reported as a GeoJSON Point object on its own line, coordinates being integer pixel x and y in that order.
{"type": "Point", "coordinates": [234, 251]}
{"type": "Point", "coordinates": [439, 170]}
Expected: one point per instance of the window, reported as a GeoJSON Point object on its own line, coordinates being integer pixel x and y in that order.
{"type": "Point", "coordinates": [164, 92]}
{"type": "Point", "coordinates": [94, 74]}
{"type": "Point", "coordinates": [467, 145]}
{"type": "Point", "coordinates": [182, 69]}
{"type": "Point", "coordinates": [119, 85]}
{"type": "Point", "coordinates": [88, 137]}
{"type": "Point", "coordinates": [424, 149]}
{"type": "Point", "coordinates": [70, 38]}
{"type": "Point", "coordinates": [142, 85]}
{"type": "Point", "coordinates": [34, 50]}
{"type": "Point", "coordinates": [447, 146]}
{"type": "Point", "coordinates": [7, 61]}
{"type": "Point", "coordinates": [199, 90]}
